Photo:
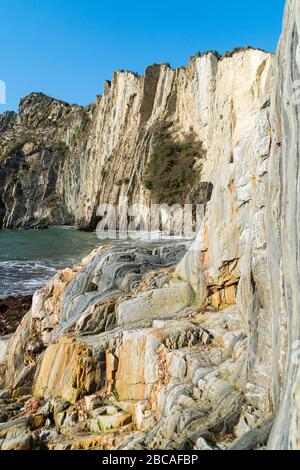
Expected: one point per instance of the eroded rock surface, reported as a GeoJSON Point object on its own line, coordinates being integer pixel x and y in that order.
{"type": "Point", "coordinates": [127, 351]}
{"type": "Point", "coordinates": [58, 162]}
{"type": "Point", "coordinates": [169, 375]}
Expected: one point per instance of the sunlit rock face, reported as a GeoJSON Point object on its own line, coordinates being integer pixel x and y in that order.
{"type": "Point", "coordinates": [251, 235]}
{"type": "Point", "coordinates": [59, 162]}
{"type": "Point", "coordinates": [166, 349]}
{"type": "Point", "coordinates": [283, 233]}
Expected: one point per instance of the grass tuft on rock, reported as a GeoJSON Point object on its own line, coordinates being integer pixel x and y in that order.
{"type": "Point", "coordinates": [174, 168]}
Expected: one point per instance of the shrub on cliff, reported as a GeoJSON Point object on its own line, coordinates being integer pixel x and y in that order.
{"type": "Point", "coordinates": [171, 171]}
{"type": "Point", "coordinates": [11, 150]}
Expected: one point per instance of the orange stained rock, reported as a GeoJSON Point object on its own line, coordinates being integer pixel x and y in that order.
{"type": "Point", "coordinates": [68, 370]}
{"type": "Point", "coordinates": [138, 369]}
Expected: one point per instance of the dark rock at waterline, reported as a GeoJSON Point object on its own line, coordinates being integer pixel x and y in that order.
{"type": "Point", "coordinates": [12, 310]}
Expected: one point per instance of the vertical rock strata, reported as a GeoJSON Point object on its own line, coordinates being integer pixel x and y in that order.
{"type": "Point", "coordinates": [283, 233]}
{"type": "Point", "coordinates": [128, 351]}
{"type": "Point", "coordinates": [59, 161]}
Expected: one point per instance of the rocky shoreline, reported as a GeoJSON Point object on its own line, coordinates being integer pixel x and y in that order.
{"type": "Point", "coordinates": [68, 381]}
{"type": "Point", "coordinates": [68, 369]}
{"type": "Point", "coordinates": [12, 310]}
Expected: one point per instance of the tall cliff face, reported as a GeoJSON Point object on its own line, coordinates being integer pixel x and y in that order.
{"type": "Point", "coordinates": [258, 227]}
{"type": "Point", "coordinates": [283, 233]}
{"type": "Point", "coordinates": [215, 342]}
{"type": "Point", "coordinates": [80, 157]}
{"type": "Point", "coordinates": [34, 148]}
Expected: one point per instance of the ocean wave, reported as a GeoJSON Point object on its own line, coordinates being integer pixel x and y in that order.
{"type": "Point", "coordinates": [24, 278]}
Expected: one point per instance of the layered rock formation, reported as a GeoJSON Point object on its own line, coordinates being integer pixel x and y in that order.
{"type": "Point", "coordinates": [125, 351]}
{"type": "Point", "coordinates": [59, 162]}
{"type": "Point", "coordinates": [283, 234]}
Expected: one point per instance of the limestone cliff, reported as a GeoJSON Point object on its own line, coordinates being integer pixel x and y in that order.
{"type": "Point", "coordinates": [283, 234]}
{"type": "Point", "coordinates": [58, 162]}
{"type": "Point", "coordinates": [215, 340]}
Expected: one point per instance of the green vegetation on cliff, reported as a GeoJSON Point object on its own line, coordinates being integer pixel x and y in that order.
{"type": "Point", "coordinates": [173, 168]}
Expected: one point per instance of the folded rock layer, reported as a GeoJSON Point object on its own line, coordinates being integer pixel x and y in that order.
{"type": "Point", "coordinates": [59, 162]}
{"type": "Point", "coordinates": [139, 348]}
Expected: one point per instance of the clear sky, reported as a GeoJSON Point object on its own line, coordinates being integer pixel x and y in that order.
{"type": "Point", "coordinates": [67, 48]}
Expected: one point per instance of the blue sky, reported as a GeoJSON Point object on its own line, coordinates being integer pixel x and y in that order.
{"type": "Point", "coordinates": [67, 48]}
